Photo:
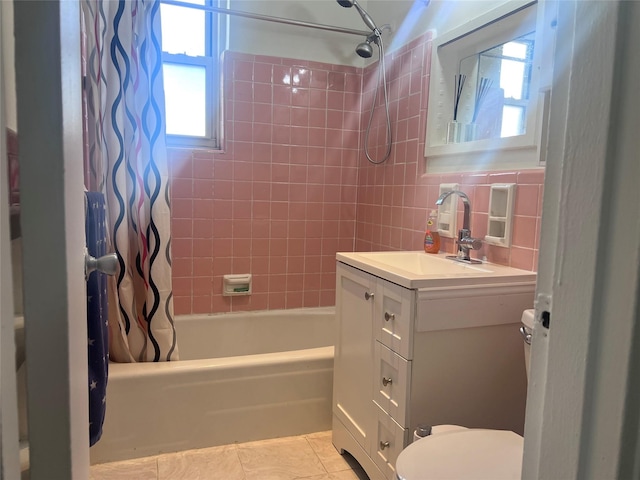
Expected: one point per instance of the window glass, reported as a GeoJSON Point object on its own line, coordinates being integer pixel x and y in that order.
{"type": "Point", "coordinates": [185, 99]}
{"type": "Point", "coordinates": [512, 120]}
{"type": "Point", "coordinates": [512, 78]}
{"type": "Point", "coordinates": [178, 20]}
{"type": "Point", "coordinates": [515, 50]}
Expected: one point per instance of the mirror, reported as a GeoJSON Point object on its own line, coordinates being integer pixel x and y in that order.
{"type": "Point", "coordinates": [484, 91]}
{"type": "Point", "coordinates": [500, 81]}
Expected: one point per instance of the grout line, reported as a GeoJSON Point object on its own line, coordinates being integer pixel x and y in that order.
{"type": "Point", "coordinates": [316, 454]}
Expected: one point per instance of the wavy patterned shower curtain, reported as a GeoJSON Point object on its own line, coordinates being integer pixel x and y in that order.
{"type": "Point", "coordinates": [127, 161]}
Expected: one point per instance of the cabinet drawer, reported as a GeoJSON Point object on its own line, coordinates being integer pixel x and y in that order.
{"type": "Point", "coordinates": [393, 320]}
{"type": "Point", "coordinates": [388, 442]}
{"type": "Point", "coordinates": [391, 378]}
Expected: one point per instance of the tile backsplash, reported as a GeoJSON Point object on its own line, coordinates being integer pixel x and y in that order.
{"type": "Point", "coordinates": [399, 224]}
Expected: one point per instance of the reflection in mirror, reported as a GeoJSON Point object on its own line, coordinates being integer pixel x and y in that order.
{"type": "Point", "coordinates": [485, 95]}
{"type": "Point", "coordinates": [501, 79]}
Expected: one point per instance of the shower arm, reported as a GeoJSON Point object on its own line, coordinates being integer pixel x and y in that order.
{"type": "Point", "coordinates": [268, 18]}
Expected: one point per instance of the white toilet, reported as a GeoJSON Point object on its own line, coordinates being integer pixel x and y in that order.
{"type": "Point", "coordinates": [452, 452]}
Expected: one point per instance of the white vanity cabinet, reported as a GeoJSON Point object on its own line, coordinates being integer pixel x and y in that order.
{"type": "Point", "coordinates": [442, 354]}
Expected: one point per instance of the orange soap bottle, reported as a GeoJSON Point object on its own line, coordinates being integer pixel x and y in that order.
{"type": "Point", "coordinates": [431, 236]}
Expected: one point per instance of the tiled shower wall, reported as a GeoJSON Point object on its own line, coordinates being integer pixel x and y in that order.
{"type": "Point", "coordinates": [280, 201]}
{"type": "Point", "coordinates": [293, 186]}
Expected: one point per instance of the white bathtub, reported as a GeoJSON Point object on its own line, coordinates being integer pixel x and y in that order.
{"type": "Point", "coordinates": [241, 377]}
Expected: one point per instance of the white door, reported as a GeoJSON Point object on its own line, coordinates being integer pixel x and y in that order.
{"type": "Point", "coordinates": [584, 392]}
{"type": "Point", "coordinates": [48, 84]}
{"type": "Point", "coordinates": [9, 464]}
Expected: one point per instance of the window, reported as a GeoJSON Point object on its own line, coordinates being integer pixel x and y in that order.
{"type": "Point", "coordinates": [515, 78]}
{"type": "Point", "coordinates": [192, 41]}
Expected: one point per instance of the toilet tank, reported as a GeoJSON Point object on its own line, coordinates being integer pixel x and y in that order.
{"type": "Point", "coordinates": [527, 331]}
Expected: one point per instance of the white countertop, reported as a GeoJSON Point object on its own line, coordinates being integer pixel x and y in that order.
{"type": "Point", "coordinates": [424, 270]}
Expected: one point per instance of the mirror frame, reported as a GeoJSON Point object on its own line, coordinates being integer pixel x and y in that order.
{"type": "Point", "coordinates": [495, 27]}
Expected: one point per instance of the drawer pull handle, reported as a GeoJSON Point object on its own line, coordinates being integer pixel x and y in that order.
{"type": "Point", "coordinates": [368, 295]}
{"type": "Point", "coordinates": [383, 445]}
{"type": "Point", "coordinates": [389, 316]}
{"type": "Point", "coordinates": [386, 381]}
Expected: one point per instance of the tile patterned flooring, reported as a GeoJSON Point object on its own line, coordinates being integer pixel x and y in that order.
{"type": "Point", "coordinates": [308, 457]}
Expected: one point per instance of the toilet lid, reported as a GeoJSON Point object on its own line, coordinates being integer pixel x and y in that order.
{"type": "Point", "coordinates": [468, 454]}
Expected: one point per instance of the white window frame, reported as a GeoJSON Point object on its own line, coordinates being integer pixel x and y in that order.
{"type": "Point", "coordinates": [215, 37]}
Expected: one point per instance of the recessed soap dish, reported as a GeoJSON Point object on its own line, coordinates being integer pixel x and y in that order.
{"type": "Point", "coordinates": [500, 221]}
{"type": "Point", "coordinates": [233, 285]}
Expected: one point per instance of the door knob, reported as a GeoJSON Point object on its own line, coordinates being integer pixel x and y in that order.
{"type": "Point", "coordinates": [386, 381]}
{"type": "Point", "coordinates": [106, 264]}
{"type": "Point", "coordinates": [368, 296]}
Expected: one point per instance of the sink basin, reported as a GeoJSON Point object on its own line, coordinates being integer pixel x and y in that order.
{"type": "Point", "coordinates": [421, 270]}
{"type": "Point", "coordinates": [420, 263]}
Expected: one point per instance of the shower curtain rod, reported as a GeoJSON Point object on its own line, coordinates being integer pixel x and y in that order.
{"type": "Point", "coordinates": [268, 18]}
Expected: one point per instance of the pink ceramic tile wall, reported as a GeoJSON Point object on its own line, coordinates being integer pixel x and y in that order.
{"type": "Point", "coordinates": [395, 198]}
{"type": "Point", "coordinates": [280, 201]}
{"type": "Point", "coordinates": [293, 186]}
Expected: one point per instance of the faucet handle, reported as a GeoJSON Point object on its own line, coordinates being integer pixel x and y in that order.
{"type": "Point", "coordinates": [470, 242]}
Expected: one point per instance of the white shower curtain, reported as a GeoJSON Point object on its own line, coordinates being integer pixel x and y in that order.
{"type": "Point", "coordinates": [127, 161]}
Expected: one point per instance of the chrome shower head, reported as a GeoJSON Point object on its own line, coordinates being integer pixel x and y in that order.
{"type": "Point", "coordinates": [365, 16]}
{"type": "Point", "coordinates": [364, 49]}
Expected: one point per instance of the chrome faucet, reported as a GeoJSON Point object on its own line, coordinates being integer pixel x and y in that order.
{"type": "Point", "coordinates": [465, 241]}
